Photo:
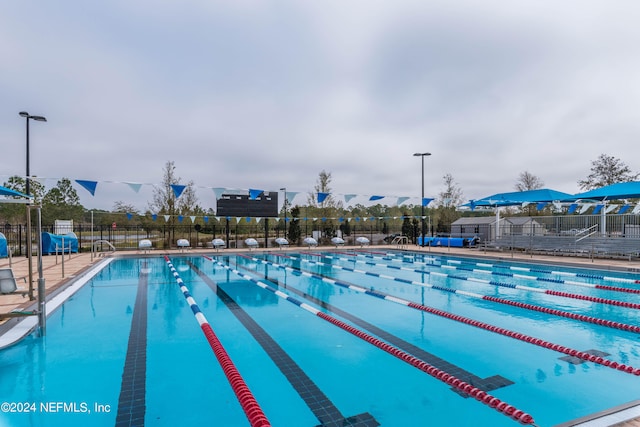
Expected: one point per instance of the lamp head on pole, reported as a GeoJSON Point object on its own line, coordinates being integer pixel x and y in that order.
{"type": "Point", "coordinates": [29, 116]}
{"type": "Point", "coordinates": [421, 154]}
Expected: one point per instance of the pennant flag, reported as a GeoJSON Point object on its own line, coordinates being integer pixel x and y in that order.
{"type": "Point", "coordinates": [623, 209]}
{"type": "Point", "coordinates": [154, 216]}
{"type": "Point", "coordinates": [610, 208]}
{"type": "Point", "coordinates": [238, 219]}
{"type": "Point", "coordinates": [597, 209]}
{"type": "Point", "coordinates": [541, 206]}
{"type": "Point", "coordinates": [129, 216]}
{"type": "Point", "coordinates": [364, 219]}
{"type": "Point", "coordinates": [324, 219]}
{"type": "Point", "coordinates": [90, 186]}
{"type": "Point", "coordinates": [193, 218]}
{"type": "Point", "coordinates": [322, 197]}
{"type": "Point", "coordinates": [572, 208]}
{"type": "Point", "coordinates": [166, 218]}
{"type": "Point", "coordinates": [291, 195]}
{"type": "Point", "coordinates": [180, 218]}
{"type": "Point", "coordinates": [258, 220]}
{"type": "Point", "coordinates": [341, 219]}
{"type": "Point", "coordinates": [636, 209]}
{"type": "Point", "coordinates": [253, 194]}
{"type": "Point", "coordinates": [426, 201]}
{"type": "Point", "coordinates": [135, 187]}
{"type": "Point", "coordinates": [401, 200]}
{"type": "Point", "coordinates": [372, 198]}
{"type": "Point", "coordinates": [348, 197]}
{"type": "Point", "coordinates": [218, 192]}
{"type": "Point", "coordinates": [178, 189]}
{"type": "Point", "coordinates": [584, 208]}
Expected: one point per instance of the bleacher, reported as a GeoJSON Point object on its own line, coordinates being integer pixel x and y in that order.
{"type": "Point", "coordinates": [592, 246]}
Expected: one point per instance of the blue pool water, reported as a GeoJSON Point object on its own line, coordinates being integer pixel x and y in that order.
{"type": "Point", "coordinates": [126, 349]}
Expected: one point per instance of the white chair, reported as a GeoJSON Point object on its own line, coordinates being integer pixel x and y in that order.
{"type": "Point", "coordinates": [281, 241]}
{"type": "Point", "coordinates": [9, 284]}
{"type": "Point", "coordinates": [251, 243]}
{"type": "Point", "coordinates": [310, 241]}
{"type": "Point", "coordinates": [218, 244]}
{"type": "Point", "coordinates": [362, 241]}
{"type": "Point", "coordinates": [183, 244]}
{"type": "Point", "coordinates": [337, 241]}
{"type": "Point", "coordinates": [144, 245]}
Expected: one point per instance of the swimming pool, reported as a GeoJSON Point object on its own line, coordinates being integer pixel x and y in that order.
{"type": "Point", "coordinates": [358, 338]}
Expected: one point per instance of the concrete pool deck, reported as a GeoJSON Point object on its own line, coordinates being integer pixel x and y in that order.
{"type": "Point", "coordinates": [75, 265]}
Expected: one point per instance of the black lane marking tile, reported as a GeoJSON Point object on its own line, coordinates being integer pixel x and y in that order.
{"type": "Point", "coordinates": [319, 404]}
{"type": "Point", "coordinates": [577, 361]}
{"type": "Point", "coordinates": [131, 403]}
{"type": "Point", "coordinates": [486, 384]}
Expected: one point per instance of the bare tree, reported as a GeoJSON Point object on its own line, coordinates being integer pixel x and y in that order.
{"type": "Point", "coordinates": [325, 209]}
{"type": "Point", "coordinates": [607, 170]}
{"type": "Point", "coordinates": [452, 193]}
{"type": "Point", "coordinates": [528, 181]}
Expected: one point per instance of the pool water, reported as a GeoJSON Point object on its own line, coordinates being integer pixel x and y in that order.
{"type": "Point", "coordinates": [126, 349]}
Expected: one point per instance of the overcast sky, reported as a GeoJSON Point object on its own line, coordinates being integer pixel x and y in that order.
{"type": "Point", "coordinates": [267, 94]}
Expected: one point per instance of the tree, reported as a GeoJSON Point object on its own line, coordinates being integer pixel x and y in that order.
{"type": "Point", "coordinates": [165, 201]}
{"type": "Point", "coordinates": [326, 208]}
{"type": "Point", "coordinates": [606, 170]}
{"type": "Point", "coordinates": [447, 201]}
{"type": "Point", "coordinates": [452, 195]}
{"type": "Point", "coordinates": [14, 212]}
{"type": "Point", "coordinates": [61, 202]}
{"type": "Point", "coordinates": [527, 181]}
{"type": "Point", "coordinates": [294, 225]}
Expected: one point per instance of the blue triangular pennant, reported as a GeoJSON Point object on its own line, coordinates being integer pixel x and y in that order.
{"type": "Point", "coordinates": [90, 186]}
{"type": "Point", "coordinates": [178, 189]}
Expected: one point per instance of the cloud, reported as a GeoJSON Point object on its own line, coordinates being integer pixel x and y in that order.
{"type": "Point", "coordinates": [254, 94]}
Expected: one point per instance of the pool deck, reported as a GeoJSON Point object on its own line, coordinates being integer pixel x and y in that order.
{"type": "Point", "coordinates": [75, 265]}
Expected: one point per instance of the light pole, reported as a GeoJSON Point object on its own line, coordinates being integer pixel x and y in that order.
{"type": "Point", "coordinates": [29, 247]}
{"type": "Point", "coordinates": [284, 189]}
{"type": "Point", "coordinates": [422, 199]}
{"type": "Point", "coordinates": [28, 116]}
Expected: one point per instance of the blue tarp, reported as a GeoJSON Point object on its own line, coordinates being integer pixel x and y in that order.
{"type": "Point", "coordinates": [4, 252]}
{"type": "Point", "coordinates": [449, 242]}
{"type": "Point", "coordinates": [52, 243]}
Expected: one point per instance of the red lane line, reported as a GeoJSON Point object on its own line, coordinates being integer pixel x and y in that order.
{"type": "Point", "coordinates": [618, 289]}
{"type": "Point", "coordinates": [249, 404]}
{"type": "Point", "coordinates": [480, 395]}
{"type": "Point", "coordinates": [574, 316]}
{"type": "Point", "coordinates": [594, 299]}
{"type": "Point", "coordinates": [529, 339]}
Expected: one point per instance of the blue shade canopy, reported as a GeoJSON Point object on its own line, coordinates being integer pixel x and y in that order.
{"type": "Point", "coordinates": [520, 197]}
{"type": "Point", "coordinates": [621, 190]}
{"type": "Point", "coordinates": [4, 191]}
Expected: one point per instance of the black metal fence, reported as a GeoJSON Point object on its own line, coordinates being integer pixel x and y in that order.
{"type": "Point", "coordinates": [234, 233]}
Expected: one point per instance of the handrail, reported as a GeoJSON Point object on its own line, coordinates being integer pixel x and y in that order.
{"type": "Point", "coordinates": [113, 248]}
{"type": "Point", "coordinates": [588, 232]}
{"type": "Point", "coordinates": [400, 241]}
